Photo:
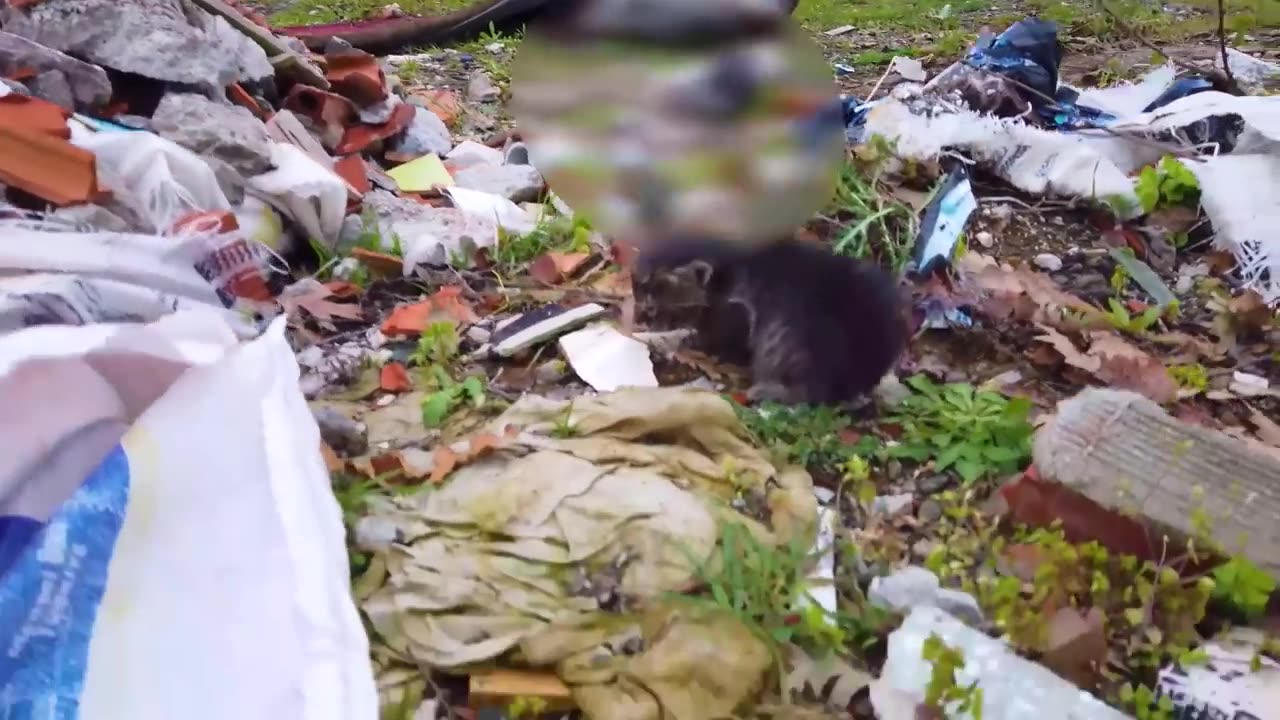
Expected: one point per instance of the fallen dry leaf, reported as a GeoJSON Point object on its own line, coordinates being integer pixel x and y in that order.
{"type": "Point", "coordinates": [1125, 366]}
{"type": "Point", "coordinates": [1268, 429]}
{"type": "Point", "coordinates": [394, 378]}
{"type": "Point", "coordinates": [617, 284]}
{"type": "Point", "coordinates": [1174, 219]}
{"type": "Point", "coordinates": [554, 267]}
{"type": "Point", "coordinates": [380, 264]}
{"type": "Point", "coordinates": [342, 289]}
{"type": "Point", "coordinates": [315, 301]}
{"type": "Point", "coordinates": [1250, 313]}
{"type": "Point", "coordinates": [1194, 348]}
{"type": "Point", "coordinates": [332, 462]}
{"type": "Point", "coordinates": [446, 305]}
{"type": "Point", "coordinates": [1001, 292]}
{"type": "Point", "coordinates": [1112, 360]}
{"type": "Point", "coordinates": [387, 465]}
{"type": "Point", "coordinates": [444, 462]}
{"type": "Point", "coordinates": [447, 459]}
{"type": "Point", "coordinates": [1076, 645]}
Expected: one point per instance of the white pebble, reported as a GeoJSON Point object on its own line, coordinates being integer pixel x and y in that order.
{"type": "Point", "coordinates": [1048, 261]}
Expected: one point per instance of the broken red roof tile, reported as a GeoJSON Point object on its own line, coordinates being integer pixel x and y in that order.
{"type": "Point", "coordinates": [22, 74]}
{"type": "Point", "coordinates": [359, 137]}
{"type": "Point", "coordinates": [324, 108]}
{"type": "Point", "coordinates": [444, 103]}
{"type": "Point", "coordinates": [29, 113]}
{"type": "Point", "coordinates": [20, 4]}
{"type": "Point", "coordinates": [356, 75]}
{"type": "Point", "coordinates": [352, 169]}
{"type": "Point", "coordinates": [46, 166]}
{"type": "Point", "coordinates": [238, 95]}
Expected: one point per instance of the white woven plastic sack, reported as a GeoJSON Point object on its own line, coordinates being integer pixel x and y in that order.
{"type": "Point", "coordinates": [170, 546]}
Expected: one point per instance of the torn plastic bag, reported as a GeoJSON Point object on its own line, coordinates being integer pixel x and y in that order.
{"type": "Point", "coordinates": [1028, 52]}
{"type": "Point", "coordinates": [53, 299]}
{"type": "Point", "coordinates": [1235, 188]}
{"type": "Point", "coordinates": [944, 219]}
{"type": "Point", "coordinates": [855, 117]}
{"type": "Point", "coordinates": [306, 191]}
{"type": "Point", "coordinates": [1042, 162]}
{"type": "Point", "coordinates": [169, 542]}
{"type": "Point", "coordinates": [158, 180]}
{"type": "Point", "coordinates": [142, 272]}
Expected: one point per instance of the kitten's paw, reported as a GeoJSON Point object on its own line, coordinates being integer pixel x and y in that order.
{"type": "Point", "coordinates": [770, 392]}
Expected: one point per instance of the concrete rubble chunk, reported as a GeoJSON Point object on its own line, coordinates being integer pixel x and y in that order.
{"type": "Point", "coordinates": [1124, 452]}
{"type": "Point", "coordinates": [427, 234]}
{"type": "Point", "coordinates": [915, 586]}
{"type": "Point", "coordinates": [89, 83]}
{"type": "Point", "coordinates": [517, 183]}
{"type": "Point", "coordinates": [152, 38]}
{"type": "Point", "coordinates": [1013, 688]}
{"type": "Point", "coordinates": [52, 85]}
{"type": "Point", "coordinates": [426, 134]}
{"type": "Point", "coordinates": [480, 88]}
{"type": "Point", "coordinates": [227, 132]}
{"type": "Point", "coordinates": [254, 64]}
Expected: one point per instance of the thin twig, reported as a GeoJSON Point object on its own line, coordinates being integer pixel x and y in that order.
{"type": "Point", "coordinates": [1222, 41]}
{"type": "Point", "coordinates": [875, 88]}
{"type": "Point", "coordinates": [1224, 82]}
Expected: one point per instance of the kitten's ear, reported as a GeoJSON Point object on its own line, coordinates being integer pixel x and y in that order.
{"type": "Point", "coordinates": [702, 271]}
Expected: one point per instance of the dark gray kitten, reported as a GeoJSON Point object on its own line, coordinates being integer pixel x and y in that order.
{"type": "Point", "coordinates": [818, 328]}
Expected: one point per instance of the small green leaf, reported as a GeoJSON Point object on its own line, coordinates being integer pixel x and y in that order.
{"type": "Point", "coordinates": [436, 407]}
{"type": "Point", "coordinates": [969, 470]}
{"type": "Point", "coordinates": [948, 457]}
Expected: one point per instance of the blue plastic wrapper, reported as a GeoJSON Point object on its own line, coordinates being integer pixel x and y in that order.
{"type": "Point", "coordinates": [944, 219]}
{"type": "Point", "coordinates": [1028, 52]}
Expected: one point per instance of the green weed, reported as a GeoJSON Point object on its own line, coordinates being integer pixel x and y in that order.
{"type": "Point", "coordinates": [437, 345]}
{"type": "Point", "coordinates": [1146, 705]}
{"type": "Point", "coordinates": [449, 396]}
{"type": "Point", "coordinates": [805, 435]}
{"type": "Point", "coordinates": [1119, 317]}
{"type": "Point", "coordinates": [526, 706]}
{"type": "Point", "coordinates": [553, 233]}
{"type": "Point", "coordinates": [437, 349]}
{"type": "Point", "coordinates": [977, 433]}
{"type": "Point", "coordinates": [1191, 377]}
{"type": "Point", "coordinates": [763, 587]}
{"type": "Point", "coordinates": [1243, 586]}
{"type": "Point", "coordinates": [943, 691]}
{"type": "Point", "coordinates": [1167, 184]}
{"type": "Point", "coordinates": [876, 225]}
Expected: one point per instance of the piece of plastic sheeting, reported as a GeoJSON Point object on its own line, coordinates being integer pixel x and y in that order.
{"type": "Point", "coordinates": [159, 180]}
{"type": "Point", "coordinates": [169, 542]}
{"type": "Point", "coordinates": [1013, 688]}
{"type": "Point", "coordinates": [303, 189]}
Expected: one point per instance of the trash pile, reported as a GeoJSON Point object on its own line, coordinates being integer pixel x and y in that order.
{"type": "Point", "coordinates": [316, 391]}
{"type": "Point", "coordinates": [211, 153]}
{"type": "Point", "coordinates": [1003, 107]}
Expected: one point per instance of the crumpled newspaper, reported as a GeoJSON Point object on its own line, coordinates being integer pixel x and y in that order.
{"type": "Point", "coordinates": [561, 549]}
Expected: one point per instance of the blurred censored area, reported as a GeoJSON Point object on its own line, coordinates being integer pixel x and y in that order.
{"type": "Point", "coordinates": [659, 119]}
